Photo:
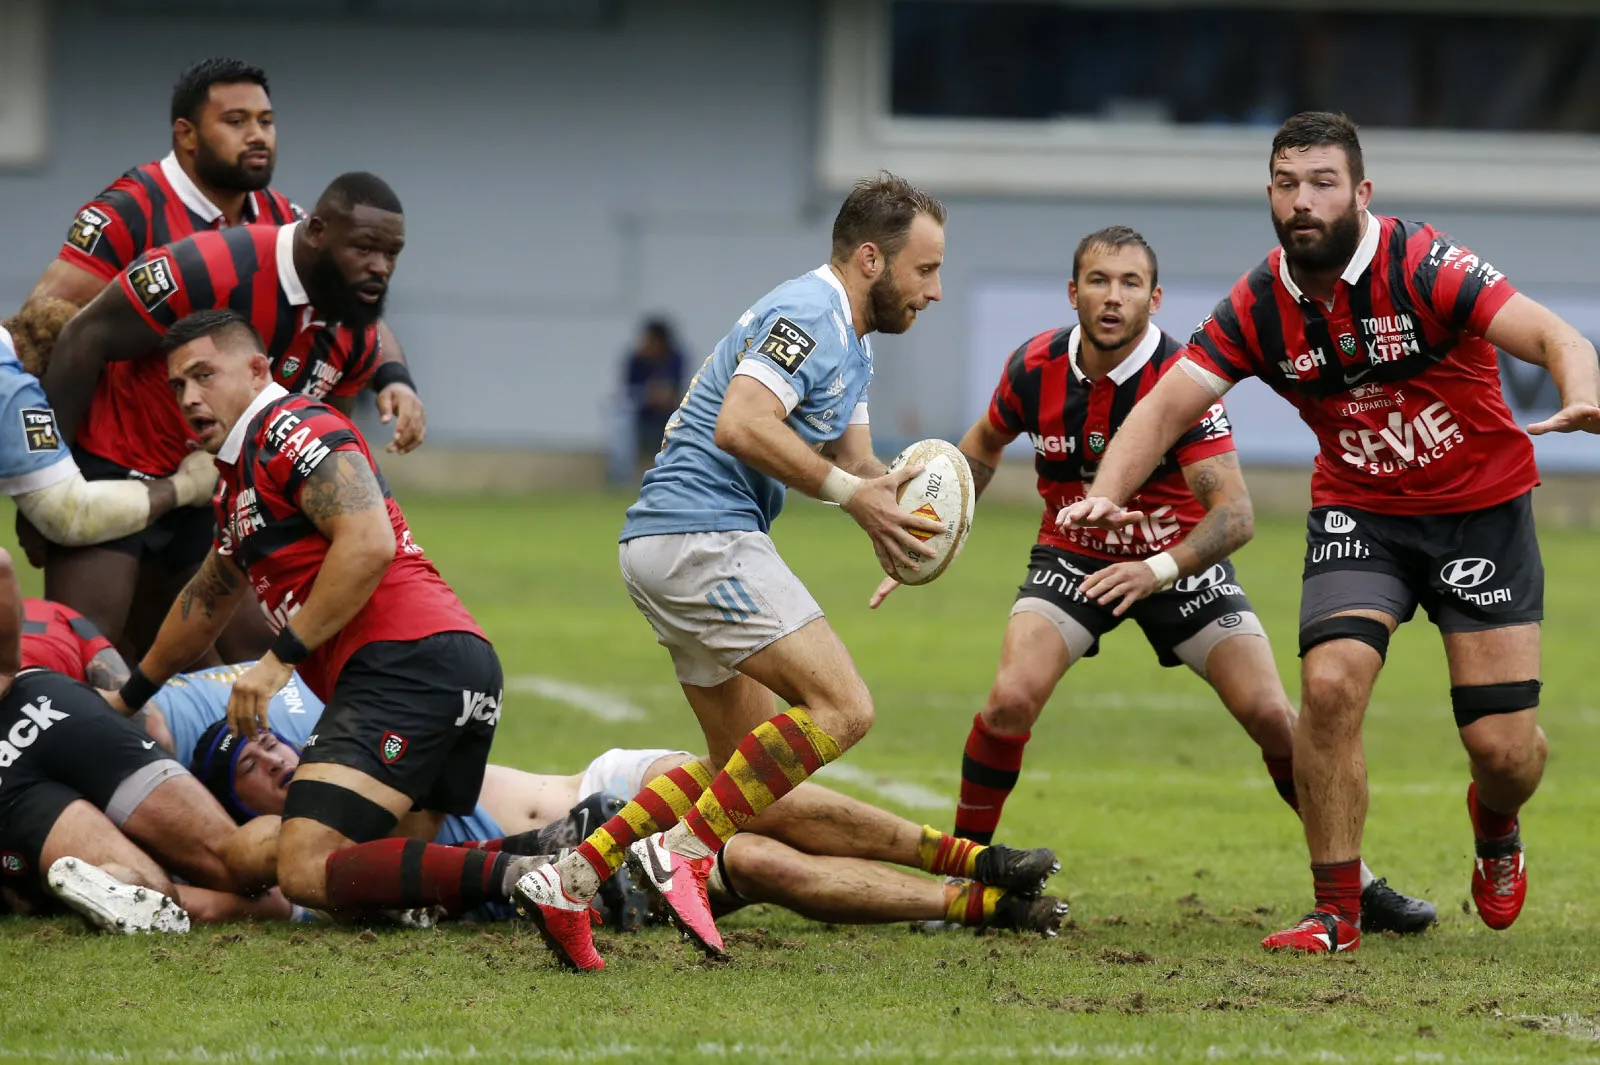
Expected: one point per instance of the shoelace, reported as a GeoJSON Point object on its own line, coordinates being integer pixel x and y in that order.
{"type": "Point", "coordinates": [1502, 875]}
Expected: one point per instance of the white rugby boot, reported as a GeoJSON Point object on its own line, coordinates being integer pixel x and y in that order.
{"type": "Point", "coordinates": [112, 905]}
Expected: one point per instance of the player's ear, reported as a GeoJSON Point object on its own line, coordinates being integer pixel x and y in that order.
{"type": "Point", "coordinates": [184, 134]}
{"type": "Point", "coordinates": [871, 259]}
{"type": "Point", "coordinates": [1155, 299]}
{"type": "Point", "coordinates": [260, 367]}
{"type": "Point", "coordinates": [316, 228]}
{"type": "Point", "coordinates": [1072, 292]}
{"type": "Point", "coordinates": [1364, 193]}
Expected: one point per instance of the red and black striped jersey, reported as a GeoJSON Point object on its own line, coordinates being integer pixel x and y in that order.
{"type": "Point", "coordinates": [1071, 420]}
{"type": "Point", "coordinates": [1394, 377]}
{"type": "Point", "coordinates": [153, 205]}
{"type": "Point", "coordinates": [55, 636]}
{"type": "Point", "coordinates": [278, 443]}
{"type": "Point", "coordinates": [133, 420]}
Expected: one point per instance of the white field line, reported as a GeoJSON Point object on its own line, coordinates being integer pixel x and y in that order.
{"type": "Point", "coordinates": [602, 706]}
{"type": "Point", "coordinates": [914, 796]}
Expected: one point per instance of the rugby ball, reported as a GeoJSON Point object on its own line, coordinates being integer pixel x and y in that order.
{"type": "Point", "coordinates": [943, 491]}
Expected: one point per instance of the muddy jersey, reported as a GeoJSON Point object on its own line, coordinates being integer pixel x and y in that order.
{"type": "Point", "coordinates": [275, 446]}
{"type": "Point", "coordinates": [1071, 421]}
{"type": "Point", "coordinates": [1394, 377]}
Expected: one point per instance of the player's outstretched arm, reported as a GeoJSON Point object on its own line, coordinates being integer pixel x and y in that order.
{"type": "Point", "coordinates": [398, 401]}
{"type": "Point", "coordinates": [197, 616]}
{"type": "Point", "coordinates": [107, 330]}
{"type": "Point", "coordinates": [1535, 334]}
{"type": "Point", "coordinates": [76, 512]}
{"type": "Point", "coordinates": [1175, 403]}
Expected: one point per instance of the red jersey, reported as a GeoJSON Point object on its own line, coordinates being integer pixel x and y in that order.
{"type": "Point", "coordinates": [1071, 420]}
{"type": "Point", "coordinates": [251, 270]}
{"type": "Point", "coordinates": [277, 443]}
{"type": "Point", "coordinates": [1395, 377]}
{"type": "Point", "coordinates": [57, 637]}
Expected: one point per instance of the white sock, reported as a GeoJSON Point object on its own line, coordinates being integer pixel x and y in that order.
{"type": "Point", "coordinates": [1366, 877]}
{"type": "Point", "coordinates": [578, 878]}
{"type": "Point", "coordinates": [680, 840]}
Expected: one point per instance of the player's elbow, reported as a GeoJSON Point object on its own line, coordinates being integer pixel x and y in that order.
{"type": "Point", "coordinates": [733, 435]}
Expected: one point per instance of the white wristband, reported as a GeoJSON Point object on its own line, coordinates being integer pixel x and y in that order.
{"type": "Point", "coordinates": [838, 487]}
{"type": "Point", "coordinates": [1165, 567]}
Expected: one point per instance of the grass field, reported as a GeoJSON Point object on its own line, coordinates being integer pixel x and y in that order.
{"type": "Point", "coordinates": [1178, 857]}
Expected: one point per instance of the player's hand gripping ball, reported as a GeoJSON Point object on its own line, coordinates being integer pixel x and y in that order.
{"type": "Point", "coordinates": [943, 491]}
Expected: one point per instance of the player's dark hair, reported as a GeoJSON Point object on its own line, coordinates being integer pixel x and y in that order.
{"type": "Point", "coordinates": [879, 211]}
{"type": "Point", "coordinates": [223, 324]}
{"type": "Point", "coordinates": [357, 189]}
{"type": "Point", "coordinates": [1320, 129]}
{"type": "Point", "coordinates": [194, 84]}
{"type": "Point", "coordinates": [1115, 237]}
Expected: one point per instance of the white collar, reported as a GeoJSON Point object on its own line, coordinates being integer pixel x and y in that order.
{"type": "Point", "coordinates": [288, 280]}
{"type": "Point", "coordinates": [1127, 367]}
{"type": "Point", "coordinates": [189, 192]}
{"type": "Point", "coordinates": [826, 273]}
{"type": "Point", "coordinates": [229, 452]}
{"type": "Point", "coordinates": [1353, 269]}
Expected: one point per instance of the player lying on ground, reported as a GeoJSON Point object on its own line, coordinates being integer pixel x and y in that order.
{"type": "Point", "coordinates": [314, 288]}
{"type": "Point", "coordinates": [1069, 390]}
{"type": "Point", "coordinates": [1383, 333]}
{"type": "Point", "coordinates": [817, 853]}
{"type": "Point", "coordinates": [413, 687]}
{"type": "Point", "coordinates": [86, 789]}
{"type": "Point", "coordinates": [781, 403]}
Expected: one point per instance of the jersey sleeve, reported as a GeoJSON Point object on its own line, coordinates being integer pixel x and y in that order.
{"type": "Point", "coordinates": [1008, 411]}
{"type": "Point", "coordinates": [106, 235]}
{"type": "Point", "coordinates": [165, 284]}
{"type": "Point", "coordinates": [1454, 285]}
{"type": "Point", "coordinates": [794, 353]}
{"type": "Point", "coordinates": [32, 453]}
{"type": "Point", "coordinates": [1211, 435]}
{"type": "Point", "coordinates": [300, 444]}
{"type": "Point", "coordinates": [1221, 344]}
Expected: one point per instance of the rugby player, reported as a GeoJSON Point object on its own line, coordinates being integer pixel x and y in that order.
{"type": "Point", "coordinates": [1382, 333]}
{"type": "Point", "coordinates": [817, 854]}
{"type": "Point", "coordinates": [781, 403]}
{"type": "Point", "coordinates": [413, 687]}
{"type": "Point", "coordinates": [1069, 389]}
{"type": "Point", "coordinates": [314, 288]}
{"type": "Point", "coordinates": [38, 471]}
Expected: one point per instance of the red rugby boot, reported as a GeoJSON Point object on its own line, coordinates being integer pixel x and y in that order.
{"type": "Point", "coordinates": [1499, 872]}
{"type": "Point", "coordinates": [1317, 933]}
{"type": "Point", "coordinates": [564, 923]}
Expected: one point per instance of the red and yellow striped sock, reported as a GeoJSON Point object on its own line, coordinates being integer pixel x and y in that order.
{"type": "Point", "coordinates": [769, 762]}
{"type": "Point", "coordinates": [970, 904]}
{"type": "Point", "coordinates": [944, 855]}
{"type": "Point", "coordinates": [659, 806]}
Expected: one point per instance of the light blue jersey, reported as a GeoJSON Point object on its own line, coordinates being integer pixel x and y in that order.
{"type": "Point", "coordinates": [797, 340]}
{"type": "Point", "coordinates": [193, 702]}
{"type": "Point", "coordinates": [32, 454]}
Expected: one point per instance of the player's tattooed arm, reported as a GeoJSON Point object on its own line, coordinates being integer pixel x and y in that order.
{"type": "Point", "coordinates": [199, 614]}
{"type": "Point", "coordinates": [343, 484]}
{"type": "Point", "coordinates": [1229, 522]}
{"type": "Point", "coordinates": [984, 445]}
{"type": "Point", "coordinates": [106, 670]}
{"type": "Point", "coordinates": [343, 499]}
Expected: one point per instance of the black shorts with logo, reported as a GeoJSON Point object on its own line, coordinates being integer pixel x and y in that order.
{"type": "Point", "coordinates": [418, 715]}
{"type": "Point", "coordinates": [1168, 618]}
{"type": "Point", "coordinates": [59, 742]}
{"type": "Point", "coordinates": [1471, 571]}
{"type": "Point", "coordinates": [179, 539]}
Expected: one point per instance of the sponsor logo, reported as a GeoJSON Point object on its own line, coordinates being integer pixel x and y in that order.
{"type": "Point", "coordinates": [1070, 568]}
{"type": "Point", "coordinates": [1453, 257]}
{"type": "Point", "coordinates": [84, 233]}
{"type": "Point", "coordinates": [1364, 398]}
{"type": "Point", "coordinates": [280, 615]}
{"type": "Point", "coordinates": [1202, 581]}
{"type": "Point", "coordinates": [290, 367]}
{"type": "Point", "coordinates": [153, 282]}
{"type": "Point", "coordinates": [1215, 423]}
{"type": "Point", "coordinates": [392, 748]}
{"type": "Point", "coordinates": [323, 378]}
{"type": "Point", "coordinates": [39, 430]}
{"type": "Point", "coordinates": [148, 745]}
{"type": "Point", "coordinates": [311, 740]}
{"type": "Point", "coordinates": [837, 388]}
{"type": "Point", "coordinates": [1230, 621]}
{"type": "Point", "coordinates": [1303, 363]}
{"type": "Point", "coordinates": [246, 517]}
{"type": "Point", "coordinates": [296, 442]}
{"type": "Point", "coordinates": [1347, 343]}
{"type": "Point", "coordinates": [12, 863]}
{"type": "Point", "coordinates": [1150, 533]}
{"type": "Point", "coordinates": [1049, 446]}
{"type": "Point", "coordinates": [924, 511]}
{"type": "Point", "coordinates": [479, 706]}
{"type": "Point", "coordinates": [1403, 444]}
{"type": "Point", "coordinates": [37, 717]}
{"type": "Point", "coordinates": [1097, 442]}
{"type": "Point", "coordinates": [1467, 572]}
{"type": "Point", "coordinates": [1337, 523]}
{"type": "Point", "coordinates": [1394, 336]}
{"type": "Point", "coordinates": [1060, 583]}
{"type": "Point", "coordinates": [787, 345]}
{"type": "Point", "coordinates": [1338, 550]}
{"type": "Point", "coordinates": [1211, 585]}
{"type": "Point", "coordinates": [658, 871]}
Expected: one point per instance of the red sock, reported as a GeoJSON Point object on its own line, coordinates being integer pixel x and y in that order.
{"type": "Point", "coordinates": [1281, 770]}
{"type": "Point", "coordinates": [989, 769]}
{"type": "Point", "coordinates": [1489, 825]}
{"type": "Point", "coordinates": [398, 874]}
{"type": "Point", "coordinates": [1338, 887]}
{"type": "Point", "coordinates": [484, 844]}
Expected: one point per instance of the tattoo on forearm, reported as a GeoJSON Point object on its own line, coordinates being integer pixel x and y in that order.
{"type": "Point", "coordinates": [106, 670]}
{"type": "Point", "coordinates": [216, 581]}
{"type": "Point", "coordinates": [982, 474]}
{"type": "Point", "coordinates": [1206, 480]}
{"type": "Point", "coordinates": [343, 484]}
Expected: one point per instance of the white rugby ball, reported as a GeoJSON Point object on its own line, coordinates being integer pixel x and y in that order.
{"type": "Point", "coordinates": [943, 491]}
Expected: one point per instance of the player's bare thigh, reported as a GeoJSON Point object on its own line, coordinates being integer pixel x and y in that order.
{"type": "Point", "coordinates": [1243, 673]}
{"type": "Point", "coordinates": [97, 582]}
{"type": "Point", "coordinates": [1034, 656]}
{"type": "Point", "coordinates": [83, 832]}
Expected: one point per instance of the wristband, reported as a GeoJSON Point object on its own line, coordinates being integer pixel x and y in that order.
{"type": "Point", "coordinates": [838, 487]}
{"type": "Point", "coordinates": [1165, 567]}
{"type": "Point", "coordinates": [392, 373]}
{"type": "Point", "coordinates": [137, 690]}
{"type": "Point", "coordinates": [288, 649]}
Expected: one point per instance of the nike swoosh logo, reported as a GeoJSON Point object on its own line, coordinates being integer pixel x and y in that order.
{"type": "Point", "coordinates": [662, 875]}
{"type": "Point", "coordinates": [147, 744]}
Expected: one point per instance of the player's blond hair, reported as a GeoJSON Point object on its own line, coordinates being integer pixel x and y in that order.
{"type": "Point", "coordinates": [34, 330]}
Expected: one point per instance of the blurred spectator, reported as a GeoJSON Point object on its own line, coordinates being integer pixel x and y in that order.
{"type": "Point", "coordinates": [652, 381]}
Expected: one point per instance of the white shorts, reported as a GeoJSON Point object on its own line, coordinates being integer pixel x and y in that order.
{"type": "Point", "coordinates": [620, 772]}
{"type": "Point", "coordinates": [714, 598]}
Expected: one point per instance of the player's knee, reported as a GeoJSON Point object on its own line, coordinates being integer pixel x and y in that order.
{"type": "Point", "coordinates": [1013, 707]}
{"type": "Point", "coordinates": [1331, 695]}
{"type": "Point", "coordinates": [303, 879]}
{"type": "Point", "coordinates": [846, 716]}
{"type": "Point", "coordinates": [1504, 752]}
{"type": "Point", "coordinates": [762, 869]}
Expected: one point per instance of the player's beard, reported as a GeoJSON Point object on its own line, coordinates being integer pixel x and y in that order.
{"type": "Point", "coordinates": [335, 299]}
{"type": "Point", "coordinates": [888, 306]}
{"type": "Point", "coordinates": [1134, 327]}
{"type": "Point", "coordinates": [1331, 251]}
{"type": "Point", "coordinates": [214, 171]}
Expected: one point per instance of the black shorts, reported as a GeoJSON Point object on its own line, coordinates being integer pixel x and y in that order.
{"type": "Point", "coordinates": [60, 742]}
{"type": "Point", "coordinates": [1471, 572]}
{"type": "Point", "coordinates": [179, 539]}
{"type": "Point", "coordinates": [418, 715]}
{"type": "Point", "coordinates": [1183, 623]}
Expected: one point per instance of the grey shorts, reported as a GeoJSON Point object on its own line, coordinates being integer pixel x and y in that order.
{"type": "Point", "coordinates": [714, 598]}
